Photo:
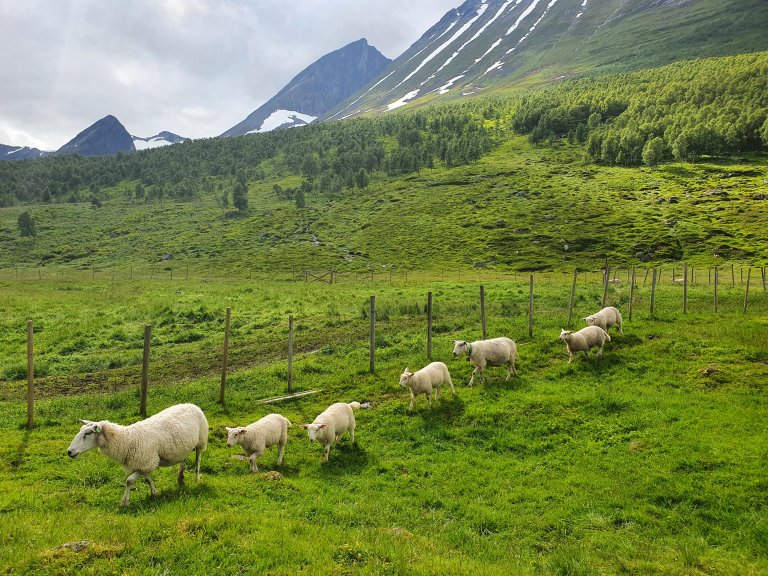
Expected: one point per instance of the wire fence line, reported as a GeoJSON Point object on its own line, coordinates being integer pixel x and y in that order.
{"type": "Point", "coordinates": [729, 274]}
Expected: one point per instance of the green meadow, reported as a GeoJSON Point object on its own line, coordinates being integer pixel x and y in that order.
{"type": "Point", "coordinates": [648, 460]}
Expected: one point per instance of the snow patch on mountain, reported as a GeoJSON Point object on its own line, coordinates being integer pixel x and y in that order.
{"type": "Point", "coordinates": [447, 43]}
{"type": "Point", "coordinates": [403, 101]}
{"type": "Point", "coordinates": [281, 117]}
{"type": "Point", "coordinates": [447, 86]}
{"type": "Point", "coordinates": [583, 5]}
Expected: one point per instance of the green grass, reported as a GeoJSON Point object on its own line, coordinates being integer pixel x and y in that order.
{"type": "Point", "coordinates": [649, 460]}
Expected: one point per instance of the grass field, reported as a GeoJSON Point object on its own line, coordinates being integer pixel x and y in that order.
{"type": "Point", "coordinates": [649, 460]}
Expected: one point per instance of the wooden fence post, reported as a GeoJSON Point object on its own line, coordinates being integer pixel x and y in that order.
{"type": "Point", "coordinates": [631, 293]}
{"type": "Point", "coordinates": [482, 310]}
{"type": "Point", "coordinates": [685, 288]}
{"type": "Point", "coordinates": [373, 334]}
{"type": "Point", "coordinates": [226, 356]}
{"type": "Point", "coordinates": [746, 289]}
{"type": "Point", "coordinates": [646, 276]}
{"type": "Point", "coordinates": [763, 272]}
{"type": "Point", "coordinates": [653, 289]}
{"type": "Point", "coordinates": [530, 309]}
{"type": "Point", "coordinates": [573, 296]}
{"type": "Point", "coordinates": [429, 326]}
{"type": "Point", "coordinates": [733, 278]}
{"type": "Point", "coordinates": [30, 376]}
{"type": "Point", "coordinates": [145, 371]}
{"type": "Point", "coordinates": [606, 278]}
{"type": "Point", "coordinates": [290, 354]}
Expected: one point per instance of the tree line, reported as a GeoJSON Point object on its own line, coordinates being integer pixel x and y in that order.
{"type": "Point", "coordinates": [714, 107]}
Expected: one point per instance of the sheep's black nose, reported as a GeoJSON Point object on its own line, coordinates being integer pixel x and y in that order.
{"type": "Point", "coordinates": [71, 454]}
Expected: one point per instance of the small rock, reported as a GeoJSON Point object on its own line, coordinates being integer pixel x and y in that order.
{"type": "Point", "coordinates": [74, 546]}
{"type": "Point", "coordinates": [273, 476]}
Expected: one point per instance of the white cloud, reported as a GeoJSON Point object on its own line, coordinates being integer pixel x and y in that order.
{"type": "Point", "coordinates": [194, 67]}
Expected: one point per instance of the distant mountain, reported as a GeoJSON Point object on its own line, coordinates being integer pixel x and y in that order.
{"type": "Point", "coordinates": [20, 152]}
{"type": "Point", "coordinates": [316, 89]}
{"type": "Point", "coordinates": [487, 44]}
{"type": "Point", "coordinates": [162, 139]}
{"type": "Point", "coordinates": [103, 138]}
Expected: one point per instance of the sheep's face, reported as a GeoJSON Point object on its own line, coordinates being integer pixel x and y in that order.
{"type": "Point", "coordinates": [565, 335]}
{"type": "Point", "coordinates": [405, 378]}
{"type": "Point", "coordinates": [233, 435]}
{"type": "Point", "coordinates": [85, 439]}
{"type": "Point", "coordinates": [460, 347]}
{"type": "Point", "coordinates": [312, 430]}
{"type": "Point", "coordinates": [590, 320]}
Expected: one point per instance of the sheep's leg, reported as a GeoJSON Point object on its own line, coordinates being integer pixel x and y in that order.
{"type": "Point", "coordinates": [437, 392]}
{"type": "Point", "coordinates": [326, 452]}
{"type": "Point", "coordinates": [352, 435]}
{"type": "Point", "coordinates": [181, 474]}
{"type": "Point", "coordinates": [478, 370]}
{"type": "Point", "coordinates": [600, 349]}
{"type": "Point", "coordinates": [151, 483]}
{"type": "Point", "coordinates": [621, 329]}
{"type": "Point", "coordinates": [252, 461]}
{"type": "Point", "coordinates": [428, 396]}
{"type": "Point", "coordinates": [128, 485]}
{"type": "Point", "coordinates": [280, 452]}
{"type": "Point", "coordinates": [413, 398]}
{"type": "Point", "coordinates": [198, 453]}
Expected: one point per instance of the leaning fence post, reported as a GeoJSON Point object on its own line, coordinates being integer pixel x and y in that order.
{"type": "Point", "coordinates": [145, 370]}
{"type": "Point", "coordinates": [631, 293]}
{"type": "Point", "coordinates": [685, 288]}
{"type": "Point", "coordinates": [429, 326]}
{"type": "Point", "coordinates": [226, 356]}
{"type": "Point", "coordinates": [373, 334]}
{"type": "Point", "coordinates": [746, 289]}
{"type": "Point", "coordinates": [653, 289]}
{"type": "Point", "coordinates": [30, 376]}
{"type": "Point", "coordinates": [606, 278]}
{"type": "Point", "coordinates": [530, 309]}
{"type": "Point", "coordinates": [573, 296]}
{"type": "Point", "coordinates": [482, 310]}
{"type": "Point", "coordinates": [290, 354]}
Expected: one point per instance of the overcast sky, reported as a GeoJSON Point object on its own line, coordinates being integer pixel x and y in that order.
{"type": "Point", "coordinates": [192, 67]}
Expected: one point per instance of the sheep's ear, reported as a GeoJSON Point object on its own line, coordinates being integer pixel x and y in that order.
{"type": "Point", "coordinates": [97, 428]}
{"type": "Point", "coordinates": [228, 429]}
{"type": "Point", "coordinates": [303, 426]}
{"type": "Point", "coordinates": [240, 431]}
{"type": "Point", "coordinates": [323, 426]}
{"type": "Point", "coordinates": [85, 422]}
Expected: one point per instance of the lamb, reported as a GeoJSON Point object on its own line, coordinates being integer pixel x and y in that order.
{"type": "Point", "coordinates": [258, 436]}
{"type": "Point", "coordinates": [493, 352]}
{"type": "Point", "coordinates": [422, 381]}
{"type": "Point", "coordinates": [328, 427]}
{"type": "Point", "coordinates": [165, 439]}
{"type": "Point", "coordinates": [607, 317]}
{"type": "Point", "coordinates": [583, 340]}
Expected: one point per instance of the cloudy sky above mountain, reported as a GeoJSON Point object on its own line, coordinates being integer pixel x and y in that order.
{"type": "Point", "coordinates": [193, 67]}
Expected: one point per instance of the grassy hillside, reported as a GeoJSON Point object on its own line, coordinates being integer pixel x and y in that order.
{"type": "Point", "coordinates": [649, 460]}
{"type": "Point", "coordinates": [516, 208]}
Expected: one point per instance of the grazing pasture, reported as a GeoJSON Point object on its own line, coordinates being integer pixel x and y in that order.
{"type": "Point", "coordinates": [652, 459]}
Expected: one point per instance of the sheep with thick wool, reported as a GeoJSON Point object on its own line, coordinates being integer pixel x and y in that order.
{"type": "Point", "coordinates": [605, 318]}
{"type": "Point", "coordinates": [165, 439]}
{"type": "Point", "coordinates": [483, 353]}
{"type": "Point", "coordinates": [258, 436]}
{"type": "Point", "coordinates": [583, 340]}
{"type": "Point", "coordinates": [422, 381]}
{"type": "Point", "coordinates": [330, 424]}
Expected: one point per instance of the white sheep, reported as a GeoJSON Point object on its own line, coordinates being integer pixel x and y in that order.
{"type": "Point", "coordinates": [258, 436]}
{"type": "Point", "coordinates": [165, 439]}
{"type": "Point", "coordinates": [328, 427]}
{"type": "Point", "coordinates": [605, 318]}
{"type": "Point", "coordinates": [493, 352]}
{"type": "Point", "coordinates": [422, 381]}
{"type": "Point", "coordinates": [583, 340]}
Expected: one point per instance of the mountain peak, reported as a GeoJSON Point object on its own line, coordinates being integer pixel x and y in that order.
{"type": "Point", "coordinates": [317, 89]}
{"type": "Point", "coordinates": [103, 138]}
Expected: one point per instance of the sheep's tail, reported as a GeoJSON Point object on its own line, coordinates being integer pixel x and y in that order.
{"type": "Point", "coordinates": [607, 336]}
{"type": "Point", "coordinates": [358, 405]}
